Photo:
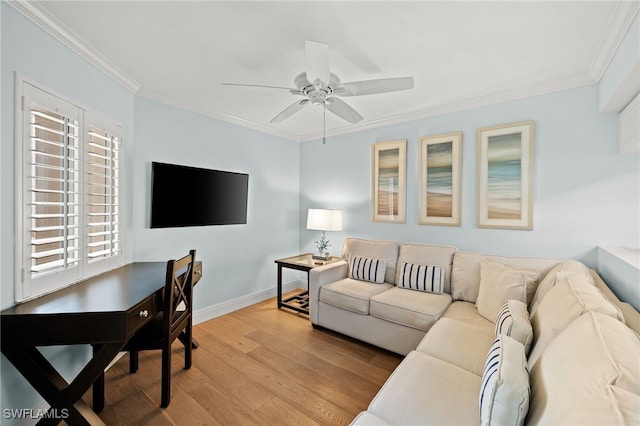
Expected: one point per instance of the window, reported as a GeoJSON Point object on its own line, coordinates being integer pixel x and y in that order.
{"type": "Point", "coordinates": [68, 204]}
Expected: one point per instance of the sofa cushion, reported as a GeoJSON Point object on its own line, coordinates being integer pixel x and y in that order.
{"type": "Point", "coordinates": [415, 309]}
{"type": "Point", "coordinates": [607, 406]}
{"type": "Point", "coordinates": [504, 392]}
{"type": "Point", "coordinates": [421, 277]}
{"type": "Point", "coordinates": [458, 343]}
{"type": "Point", "coordinates": [428, 254]}
{"type": "Point", "coordinates": [424, 390]}
{"type": "Point", "coordinates": [631, 314]}
{"type": "Point", "coordinates": [385, 250]}
{"type": "Point", "coordinates": [465, 273]}
{"type": "Point", "coordinates": [350, 294]}
{"type": "Point", "coordinates": [513, 321]}
{"type": "Point", "coordinates": [567, 300]}
{"type": "Point", "coordinates": [499, 283]}
{"type": "Point", "coordinates": [593, 352]}
{"type": "Point", "coordinates": [466, 312]}
{"type": "Point", "coordinates": [550, 279]}
{"type": "Point", "coordinates": [367, 269]}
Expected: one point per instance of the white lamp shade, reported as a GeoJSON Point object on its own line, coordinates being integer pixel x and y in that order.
{"type": "Point", "coordinates": [324, 220]}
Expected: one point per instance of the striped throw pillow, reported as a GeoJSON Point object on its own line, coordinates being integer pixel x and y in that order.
{"type": "Point", "coordinates": [421, 277]}
{"type": "Point", "coordinates": [513, 321]}
{"type": "Point", "coordinates": [504, 390]}
{"type": "Point", "coordinates": [367, 269]}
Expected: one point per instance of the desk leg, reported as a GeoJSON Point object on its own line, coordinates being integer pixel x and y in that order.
{"type": "Point", "coordinates": [98, 387]}
{"type": "Point", "coordinates": [279, 286]}
{"type": "Point", "coordinates": [62, 396]}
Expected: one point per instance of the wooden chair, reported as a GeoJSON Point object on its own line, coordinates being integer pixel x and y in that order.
{"type": "Point", "coordinates": [174, 319]}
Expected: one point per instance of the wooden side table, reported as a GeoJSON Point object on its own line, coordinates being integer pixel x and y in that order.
{"type": "Point", "coordinates": [302, 262]}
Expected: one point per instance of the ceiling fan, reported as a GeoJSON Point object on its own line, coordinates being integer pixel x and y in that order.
{"type": "Point", "coordinates": [319, 86]}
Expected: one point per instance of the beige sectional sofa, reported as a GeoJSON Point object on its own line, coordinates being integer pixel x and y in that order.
{"type": "Point", "coordinates": [488, 339]}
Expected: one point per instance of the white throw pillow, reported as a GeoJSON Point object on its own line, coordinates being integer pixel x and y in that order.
{"type": "Point", "coordinates": [594, 351]}
{"type": "Point", "coordinates": [421, 277]}
{"type": "Point", "coordinates": [513, 321]}
{"type": "Point", "coordinates": [499, 283]}
{"type": "Point", "coordinates": [367, 269]}
{"type": "Point", "coordinates": [566, 300]}
{"type": "Point", "coordinates": [504, 390]}
{"type": "Point", "coordinates": [566, 267]}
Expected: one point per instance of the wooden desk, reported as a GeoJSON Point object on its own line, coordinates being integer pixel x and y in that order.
{"type": "Point", "coordinates": [104, 311]}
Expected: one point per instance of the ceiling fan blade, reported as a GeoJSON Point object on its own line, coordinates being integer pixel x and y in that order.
{"type": "Point", "coordinates": [290, 110]}
{"type": "Point", "coordinates": [316, 61]}
{"type": "Point", "coordinates": [260, 85]}
{"type": "Point", "coordinates": [343, 110]}
{"type": "Point", "coordinates": [371, 87]}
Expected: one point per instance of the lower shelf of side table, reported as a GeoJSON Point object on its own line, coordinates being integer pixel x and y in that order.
{"type": "Point", "coordinates": [298, 302]}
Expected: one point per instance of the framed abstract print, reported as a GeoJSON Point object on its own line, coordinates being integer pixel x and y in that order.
{"type": "Point", "coordinates": [440, 179]}
{"type": "Point", "coordinates": [505, 176]}
{"type": "Point", "coordinates": [389, 181]}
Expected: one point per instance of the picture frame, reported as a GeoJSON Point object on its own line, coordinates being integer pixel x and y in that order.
{"type": "Point", "coordinates": [389, 181]}
{"type": "Point", "coordinates": [505, 176]}
{"type": "Point", "coordinates": [440, 169]}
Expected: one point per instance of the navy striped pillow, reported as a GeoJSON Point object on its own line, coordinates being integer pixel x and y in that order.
{"type": "Point", "coordinates": [490, 377]}
{"type": "Point", "coordinates": [421, 277]}
{"type": "Point", "coordinates": [513, 321]}
{"type": "Point", "coordinates": [504, 390]}
{"type": "Point", "coordinates": [366, 269]}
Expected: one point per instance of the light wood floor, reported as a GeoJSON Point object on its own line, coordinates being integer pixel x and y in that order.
{"type": "Point", "coordinates": [255, 366]}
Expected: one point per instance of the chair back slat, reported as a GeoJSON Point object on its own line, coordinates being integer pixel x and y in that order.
{"type": "Point", "coordinates": [178, 294]}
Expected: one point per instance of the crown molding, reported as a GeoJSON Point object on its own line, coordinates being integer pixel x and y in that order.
{"type": "Point", "coordinates": [483, 100]}
{"type": "Point", "coordinates": [208, 112]}
{"type": "Point", "coordinates": [41, 17]}
{"type": "Point", "coordinates": [621, 19]}
{"type": "Point", "coordinates": [619, 23]}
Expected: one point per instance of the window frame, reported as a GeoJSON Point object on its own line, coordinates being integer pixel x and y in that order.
{"type": "Point", "coordinates": [26, 286]}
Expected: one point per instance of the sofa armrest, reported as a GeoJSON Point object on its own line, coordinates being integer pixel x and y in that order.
{"type": "Point", "coordinates": [320, 276]}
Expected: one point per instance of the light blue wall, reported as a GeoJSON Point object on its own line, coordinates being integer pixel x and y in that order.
{"type": "Point", "coordinates": [620, 274]}
{"type": "Point", "coordinates": [237, 259]}
{"type": "Point", "coordinates": [585, 194]}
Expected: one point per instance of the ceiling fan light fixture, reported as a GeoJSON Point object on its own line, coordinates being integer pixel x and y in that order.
{"type": "Point", "coordinates": [327, 89]}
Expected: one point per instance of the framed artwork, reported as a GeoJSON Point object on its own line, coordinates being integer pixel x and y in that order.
{"type": "Point", "coordinates": [505, 176]}
{"type": "Point", "coordinates": [440, 179]}
{"type": "Point", "coordinates": [389, 181]}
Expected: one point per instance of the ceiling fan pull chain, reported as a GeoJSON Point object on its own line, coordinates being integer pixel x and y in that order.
{"type": "Point", "coordinates": [324, 123]}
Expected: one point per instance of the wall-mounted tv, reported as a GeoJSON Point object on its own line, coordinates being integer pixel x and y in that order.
{"type": "Point", "coordinates": [191, 196]}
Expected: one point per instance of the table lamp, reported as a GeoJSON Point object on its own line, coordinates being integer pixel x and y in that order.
{"type": "Point", "coordinates": [324, 220]}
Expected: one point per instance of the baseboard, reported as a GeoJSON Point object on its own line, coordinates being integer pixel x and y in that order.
{"type": "Point", "coordinates": [213, 311]}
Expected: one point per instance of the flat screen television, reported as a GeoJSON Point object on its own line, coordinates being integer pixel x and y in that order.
{"type": "Point", "coordinates": [191, 196]}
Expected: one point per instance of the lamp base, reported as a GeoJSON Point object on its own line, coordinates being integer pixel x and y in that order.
{"type": "Point", "coordinates": [320, 256]}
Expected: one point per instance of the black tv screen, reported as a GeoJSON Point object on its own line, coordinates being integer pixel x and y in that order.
{"type": "Point", "coordinates": [191, 196]}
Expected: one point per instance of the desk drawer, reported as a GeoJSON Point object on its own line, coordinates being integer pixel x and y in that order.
{"type": "Point", "coordinates": [142, 313]}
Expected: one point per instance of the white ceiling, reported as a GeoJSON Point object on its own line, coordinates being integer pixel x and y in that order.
{"type": "Point", "coordinates": [461, 54]}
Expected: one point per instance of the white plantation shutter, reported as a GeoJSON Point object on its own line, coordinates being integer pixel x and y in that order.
{"type": "Point", "coordinates": [68, 200]}
{"type": "Point", "coordinates": [54, 191]}
{"type": "Point", "coordinates": [103, 197]}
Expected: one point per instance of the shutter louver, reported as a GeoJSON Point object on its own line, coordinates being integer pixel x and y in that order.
{"type": "Point", "coordinates": [103, 198]}
{"type": "Point", "coordinates": [54, 192]}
